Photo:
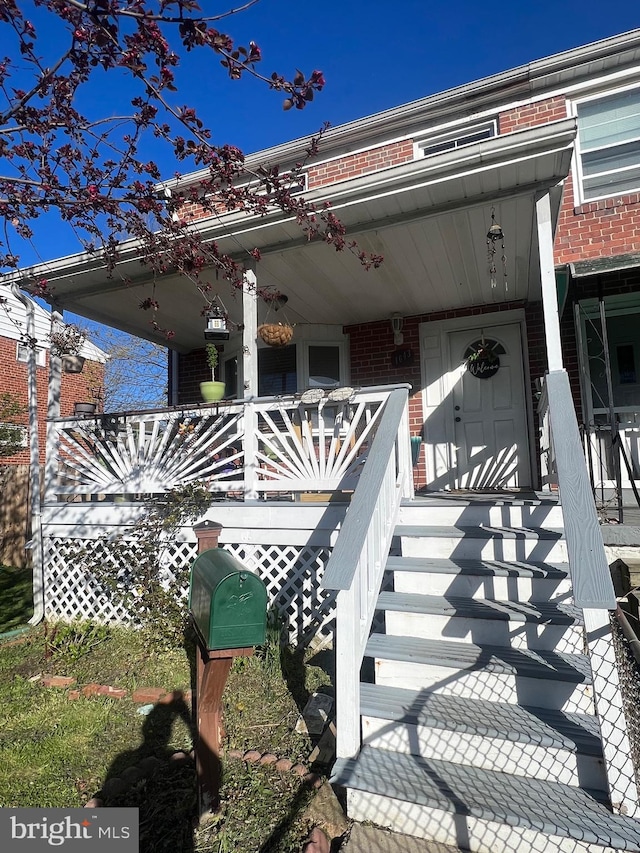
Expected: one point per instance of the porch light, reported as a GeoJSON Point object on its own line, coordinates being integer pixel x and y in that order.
{"type": "Point", "coordinates": [396, 328]}
{"type": "Point", "coordinates": [216, 328]}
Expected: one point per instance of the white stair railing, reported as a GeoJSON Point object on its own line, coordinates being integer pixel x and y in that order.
{"type": "Point", "coordinates": [592, 585]}
{"type": "Point", "coordinates": [356, 565]}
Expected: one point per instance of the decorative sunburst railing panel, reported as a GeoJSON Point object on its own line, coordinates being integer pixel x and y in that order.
{"type": "Point", "coordinates": [149, 454]}
{"type": "Point", "coordinates": [294, 445]}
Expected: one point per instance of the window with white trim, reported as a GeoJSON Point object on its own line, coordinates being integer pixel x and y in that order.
{"type": "Point", "coordinates": [22, 354]}
{"type": "Point", "coordinates": [457, 138]}
{"type": "Point", "coordinates": [608, 145]}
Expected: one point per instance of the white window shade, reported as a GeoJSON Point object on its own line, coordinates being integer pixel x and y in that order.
{"type": "Point", "coordinates": [609, 144]}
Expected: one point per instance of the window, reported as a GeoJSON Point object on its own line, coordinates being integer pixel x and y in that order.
{"type": "Point", "coordinates": [455, 139]}
{"type": "Point", "coordinates": [609, 145]}
{"type": "Point", "coordinates": [231, 376]}
{"type": "Point", "coordinates": [625, 357]}
{"type": "Point", "coordinates": [324, 366]}
{"type": "Point", "coordinates": [22, 354]}
{"type": "Point", "coordinates": [277, 371]}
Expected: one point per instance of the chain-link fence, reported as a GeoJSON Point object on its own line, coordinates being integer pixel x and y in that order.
{"type": "Point", "coordinates": [629, 676]}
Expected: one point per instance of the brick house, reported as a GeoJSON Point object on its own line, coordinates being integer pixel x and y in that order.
{"type": "Point", "coordinates": [500, 334]}
{"type": "Point", "coordinates": [438, 169]}
{"type": "Point", "coordinates": [75, 387]}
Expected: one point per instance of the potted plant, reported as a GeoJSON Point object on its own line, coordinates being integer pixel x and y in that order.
{"type": "Point", "coordinates": [66, 342]}
{"type": "Point", "coordinates": [212, 391]}
{"type": "Point", "coordinates": [94, 399]}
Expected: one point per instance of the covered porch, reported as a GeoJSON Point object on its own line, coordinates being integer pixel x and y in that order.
{"type": "Point", "coordinates": [438, 288]}
{"type": "Point", "coordinates": [318, 488]}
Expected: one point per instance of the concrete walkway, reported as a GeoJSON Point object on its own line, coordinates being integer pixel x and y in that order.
{"type": "Point", "coordinates": [371, 839]}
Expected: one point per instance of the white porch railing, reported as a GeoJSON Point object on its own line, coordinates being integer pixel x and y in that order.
{"type": "Point", "coordinates": [252, 448]}
{"type": "Point", "coordinates": [591, 580]}
{"type": "Point", "coordinates": [357, 563]}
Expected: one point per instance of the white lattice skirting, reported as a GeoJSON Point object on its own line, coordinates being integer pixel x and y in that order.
{"type": "Point", "coordinates": [291, 574]}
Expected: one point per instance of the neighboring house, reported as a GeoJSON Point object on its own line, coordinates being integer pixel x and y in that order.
{"type": "Point", "coordinates": [508, 214]}
{"type": "Point", "coordinates": [78, 387]}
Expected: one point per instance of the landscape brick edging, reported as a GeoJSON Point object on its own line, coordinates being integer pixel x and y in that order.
{"type": "Point", "coordinates": [117, 785]}
{"type": "Point", "coordinates": [157, 695]}
{"type": "Point", "coordinates": [142, 696]}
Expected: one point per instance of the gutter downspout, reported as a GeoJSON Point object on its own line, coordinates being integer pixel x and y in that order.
{"type": "Point", "coordinates": [34, 459]}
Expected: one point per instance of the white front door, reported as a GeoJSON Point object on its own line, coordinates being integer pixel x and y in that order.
{"type": "Point", "coordinates": [489, 409]}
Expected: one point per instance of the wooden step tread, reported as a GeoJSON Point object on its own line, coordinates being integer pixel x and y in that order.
{"type": "Point", "coordinates": [557, 666]}
{"type": "Point", "coordinates": [537, 726]}
{"type": "Point", "coordinates": [485, 568]}
{"type": "Point", "coordinates": [477, 531]}
{"type": "Point", "coordinates": [546, 807]}
{"type": "Point", "coordinates": [542, 613]}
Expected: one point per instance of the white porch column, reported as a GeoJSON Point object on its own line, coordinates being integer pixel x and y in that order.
{"type": "Point", "coordinates": [548, 276]}
{"type": "Point", "coordinates": [249, 338]}
{"type": "Point", "coordinates": [250, 382]}
{"type": "Point", "coordinates": [53, 411]}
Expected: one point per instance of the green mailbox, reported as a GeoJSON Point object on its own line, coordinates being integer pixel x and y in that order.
{"type": "Point", "coordinates": [228, 603]}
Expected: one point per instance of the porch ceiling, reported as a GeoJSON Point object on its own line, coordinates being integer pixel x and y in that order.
{"type": "Point", "coordinates": [428, 219]}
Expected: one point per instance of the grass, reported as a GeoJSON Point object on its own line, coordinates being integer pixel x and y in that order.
{"type": "Point", "coordinates": [16, 598]}
{"type": "Point", "coordinates": [59, 752]}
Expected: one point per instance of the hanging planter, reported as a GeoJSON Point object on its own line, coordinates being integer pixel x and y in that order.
{"type": "Point", "coordinates": [84, 409]}
{"type": "Point", "coordinates": [276, 334]}
{"type": "Point", "coordinates": [72, 363]}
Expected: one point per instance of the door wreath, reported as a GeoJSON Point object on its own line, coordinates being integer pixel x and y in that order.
{"type": "Point", "coordinates": [482, 358]}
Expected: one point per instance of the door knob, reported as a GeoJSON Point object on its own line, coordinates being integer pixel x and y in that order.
{"type": "Point", "coordinates": [458, 420]}
{"type": "Point", "coordinates": [457, 408]}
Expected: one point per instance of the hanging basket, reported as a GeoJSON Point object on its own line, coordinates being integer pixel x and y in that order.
{"type": "Point", "coordinates": [72, 363]}
{"type": "Point", "coordinates": [276, 334]}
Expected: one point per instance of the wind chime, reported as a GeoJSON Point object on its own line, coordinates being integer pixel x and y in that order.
{"type": "Point", "coordinates": [495, 236]}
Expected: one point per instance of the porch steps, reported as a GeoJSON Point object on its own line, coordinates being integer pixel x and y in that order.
{"type": "Point", "coordinates": [439, 617]}
{"type": "Point", "coordinates": [558, 747]}
{"type": "Point", "coordinates": [479, 729]}
{"type": "Point", "coordinates": [483, 542]}
{"type": "Point", "coordinates": [479, 810]}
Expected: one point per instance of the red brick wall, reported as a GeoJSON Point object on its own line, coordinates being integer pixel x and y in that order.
{"type": "Point", "coordinates": [598, 229]}
{"type": "Point", "coordinates": [349, 166]}
{"type": "Point", "coordinates": [193, 370]}
{"type": "Point", "coordinates": [532, 115]}
{"type": "Point", "coordinates": [74, 388]}
{"type": "Point", "coordinates": [353, 165]}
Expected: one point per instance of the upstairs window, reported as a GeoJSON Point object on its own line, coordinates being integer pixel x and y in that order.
{"type": "Point", "coordinates": [438, 143]}
{"type": "Point", "coordinates": [22, 354]}
{"type": "Point", "coordinates": [609, 145]}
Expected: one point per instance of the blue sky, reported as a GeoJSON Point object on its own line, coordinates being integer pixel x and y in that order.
{"type": "Point", "coordinates": [375, 55]}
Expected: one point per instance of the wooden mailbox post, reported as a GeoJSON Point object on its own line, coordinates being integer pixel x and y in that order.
{"type": "Point", "coordinates": [228, 606]}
